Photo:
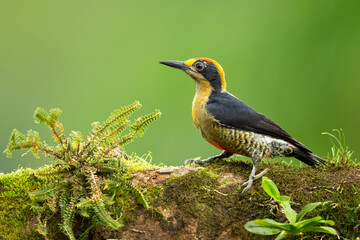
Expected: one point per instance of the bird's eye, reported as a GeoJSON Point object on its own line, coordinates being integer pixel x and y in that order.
{"type": "Point", "coordinates": [199, 66]}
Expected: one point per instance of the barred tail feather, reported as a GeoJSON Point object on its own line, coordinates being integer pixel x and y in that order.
{"type": "Point", "coordinates": [307, 157]}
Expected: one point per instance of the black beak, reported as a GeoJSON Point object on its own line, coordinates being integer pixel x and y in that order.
{"type": "Point", "coordinates": [175, 64]}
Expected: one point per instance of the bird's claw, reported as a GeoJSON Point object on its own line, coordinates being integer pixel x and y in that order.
{"type": "Point", "coordinates": [190, 161]}
{"type": "Point", "coordinates": [248, 185]}
{"type": "Point", "coordinates": [249, 182]}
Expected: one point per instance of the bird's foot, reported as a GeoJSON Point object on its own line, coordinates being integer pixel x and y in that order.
{"type": "Point", "coordinates": [252, 178]}
{"type": "Point", "coordinates": [190, 161]}
{"type": "Point", "coordinates": [198, 161]}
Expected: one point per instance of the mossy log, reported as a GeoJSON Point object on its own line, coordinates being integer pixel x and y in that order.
{"type": "Point", "coordinates": [198, 203]}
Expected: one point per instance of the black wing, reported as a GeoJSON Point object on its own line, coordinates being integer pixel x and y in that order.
{"type": "Point", "coordinates": [233, 112]}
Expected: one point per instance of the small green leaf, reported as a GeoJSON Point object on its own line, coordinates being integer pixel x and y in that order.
{"type": "Point", "coordinates": [329, 230]}
{"type": "Point", "coordinates": [328, 222]}
{"type": "Point", "coordinates": [306, 209]}
{"type": "Point", "coordinates": [283, 199]}
{"type": "Point", "coordinates": [273, 224]}
{"type": "Point", "coordinates": [289, 212]}
{"type": "Point", "coordinates": [256, 229]}
{"type": "Point", "coordinates": [270, 188]}
{"type": "Point", "coordinates": [303, 225]}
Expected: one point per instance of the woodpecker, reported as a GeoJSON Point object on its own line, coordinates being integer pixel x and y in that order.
{"type": "Point", "coordinates": [231, 125]}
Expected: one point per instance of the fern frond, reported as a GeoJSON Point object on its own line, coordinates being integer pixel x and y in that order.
{"type": "Point", "coordinates": [21, 141]}
{"type": "Point", "coordinates": [52, 121]}
{"type": "Point", "coordinates": [108, 200]}
{"type": "Point", "coordinates": [41, 116]}
{"type": "Point", "coordinates": [112, 134]}
{"type": "Point", "coordinates": [104, 217]}
{"type": "Point", "coordinates": [33, 140]}
{"type": "Point", "coordinates": [126, 139]}
{"type": "Point", "coordinates": [94, 184]}
{"type": "Point", "coordinates": [115, 120]}
{"type": "Point", "coordinates": [95, 125]}
{"type": "Point", "coordinates": [68, 216]}
{"type": "Point", "coordinates": [50, 151]}
{"type": "Point", "coordinates": [111, 166]}
{"type": "Point", "coordinates": [138, 129]}
{"type": "Point", "coordinates": [54, 115]}
{"type": "Point", "coordinates": [57, 131]}
{"type": "Point", "coordinates": [44, 193]}
{"type": "Point", "coordinates": [77, 139]}
{"type": "Point", "coordinates": [85, 212]}
{"type": "Point", "coordinates": [141, 196]}
{"type": "Point", "coordinates": [140, 124]}
{"type": "Point", "coordinates": [83, 203]}
{"type": "Point", "coordinates": [120, 180]}
{"type": "Point", "coordinates": [118, 116]}
{"type": "Point", "coordinates": [142, 199]}
{"type": "Point", "coordinates": [16, 142]}
{"type": "Point", "coordinates": [50, 172]}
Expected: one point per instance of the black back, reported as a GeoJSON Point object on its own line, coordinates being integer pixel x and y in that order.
{"type": "Point", "coordinates": [234, 113]}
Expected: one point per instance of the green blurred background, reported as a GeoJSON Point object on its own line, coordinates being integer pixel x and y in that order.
{"type": "Point", "coordinates": [298, 62]}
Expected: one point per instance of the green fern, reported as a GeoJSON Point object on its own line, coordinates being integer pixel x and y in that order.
{"type": "Point", "coordinates": [44, 193]}
{"type": "Point", "coordinates": [84, 174]}
{"type": "Point", "coordinates": [51, 172]}
{"type": "Point", "coordinates": [68, 215]}
{"type": "Point", "coordinates": [29, 141]}
{"type": "Point", "coordinates": [103, 217]}
{"type": "Point", "coordinates": [51, 119]}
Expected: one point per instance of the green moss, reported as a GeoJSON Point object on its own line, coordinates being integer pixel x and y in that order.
{"type": "Point", "coordinates": [205, 201]}
{"type": "Point", "coordinates": [194, 194]}
{"type": "Point", "coordinates": [15, 205]}
{"type": "Point", "coordinates": [153, 192]}
{"type": "Point", "coordinates": [344, 209]}
{"type": "Point", "coordinates": [136, 163]}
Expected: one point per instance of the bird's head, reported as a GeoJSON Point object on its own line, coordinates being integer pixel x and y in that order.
{"type": "Point", "coordinates": [204, 71]}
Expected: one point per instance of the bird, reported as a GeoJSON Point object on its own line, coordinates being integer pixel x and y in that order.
{"type": "Point", "coordinates": [233, 126]}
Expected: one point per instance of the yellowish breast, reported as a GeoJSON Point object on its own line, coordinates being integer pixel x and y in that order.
{"type": "Point", "coordinates": [199, 113]}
